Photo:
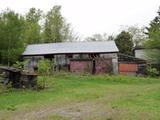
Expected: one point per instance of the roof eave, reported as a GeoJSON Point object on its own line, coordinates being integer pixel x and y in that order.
{"type": "Point", "coordinates": [68, 53]}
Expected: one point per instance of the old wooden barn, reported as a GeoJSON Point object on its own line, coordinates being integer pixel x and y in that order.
{"type": "Point", "coordinates": [93, 57]}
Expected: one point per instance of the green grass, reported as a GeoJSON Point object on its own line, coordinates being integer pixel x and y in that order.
{"type": "Point", "coordinates": [121, 97]}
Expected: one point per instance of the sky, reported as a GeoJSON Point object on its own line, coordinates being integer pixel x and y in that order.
{"type": "Point", "coordinates": [89, 17]}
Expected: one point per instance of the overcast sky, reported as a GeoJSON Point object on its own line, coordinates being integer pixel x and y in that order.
{"type": "Point", "coordinates": [93, 16]}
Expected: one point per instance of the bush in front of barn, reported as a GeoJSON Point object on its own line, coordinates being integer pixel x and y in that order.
{"type": "Point", "coordinates": [152, 71]}
{"type": "Point", "coordinates": [45, 68]}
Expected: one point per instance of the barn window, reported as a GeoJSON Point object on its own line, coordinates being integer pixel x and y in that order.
{"type": "Point", "coordinates": [93, 55]}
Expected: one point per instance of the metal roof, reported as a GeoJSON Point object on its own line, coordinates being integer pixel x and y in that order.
{"type": "Point", "coordinates": [71, 47]}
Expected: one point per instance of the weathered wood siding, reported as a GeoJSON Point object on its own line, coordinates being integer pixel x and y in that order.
{"type": "Point", "coordinates": [81, 66]}
{"type": "Point", "coordinates": [94, 66]}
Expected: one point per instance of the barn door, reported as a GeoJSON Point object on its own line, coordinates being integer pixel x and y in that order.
{"type": "Point", "coordinates": [103, 65]}
{"type": "Point", "coordinates": [128, 68]}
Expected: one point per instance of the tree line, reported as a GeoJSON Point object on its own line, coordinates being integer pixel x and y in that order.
{"type": "Point", "coordinates": [17, 31]}
{"type": "Point", "coordinates": [131, 37]}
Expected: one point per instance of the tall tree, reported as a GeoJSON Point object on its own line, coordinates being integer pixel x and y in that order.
{"type": "Point", "coordinates": [138, 34]}
{"type": "Point", "coordinates": [153, 43]}
{"type": "Point", "coordinates": [32, 27]}
{"type": "Point", "coordinates": [95, 37]}
{"type": "Point", "coordinates": [11, 30]}
{"type": "Point", "coordinates": [124, 42]}
{"type": "Point", "coordinates": [56, 29]}
{"type": "Point", "coordinates": [100, 37]}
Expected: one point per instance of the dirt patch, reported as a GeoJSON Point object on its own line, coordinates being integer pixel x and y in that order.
{"type": "Point", "coordinates": [98, 110]}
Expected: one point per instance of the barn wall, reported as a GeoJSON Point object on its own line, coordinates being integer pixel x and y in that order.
{"type": "Point", "coordinates": [61, 60]}
{"type": "Point", "coordinates": [141, 53]}
{"type": "Point", "coordinates": [114, 57]}
{"type": "Point", "coordinates": [32, 62]}
{"type": "Point", "coordinates": [94, 66]}
{"type": "Point", "coordinates": [81, 66]}
{"type": "Point", "coordinates": [103, 65]}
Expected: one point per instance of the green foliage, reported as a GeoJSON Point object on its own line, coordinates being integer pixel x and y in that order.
{"type": "Point", "coordinates": [45, 66]}
{"type": "Point", "coordinates": [152, 72]}
{"type": "Point", "coordinates": [32, 34]}
{"type": "Point", "coordinates": [5, 88]}
{"type": "Point", "coordinates": [10, 56]}
{"type": "Point", "coordinates": [153, 43]}
{"type": "Point", "coordinates": [11, 30]}
{"type": "Point", "coordinates": [20, 64]}
{"type": "Point", "coordinates": [124, 43]}
{"type": "Point", "coordinates": [134, 95]}
{"type": "Point", "coordinates": [1, 87]}
{"type": "Point", "coordinates": [34, 15]}
{"type": "Point", "coordinates": [17, 31]}
{"type": "Point", "coordinates": [137, 33]}
{"type": "Point", "coordinates": [56, 29]}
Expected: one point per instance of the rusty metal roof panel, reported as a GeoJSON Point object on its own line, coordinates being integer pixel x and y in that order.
{"type": "Point", "coordinates": [71, 47]}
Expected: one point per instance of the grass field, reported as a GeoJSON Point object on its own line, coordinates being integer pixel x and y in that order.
{"type": "Point", "coordinates": [85, 97]}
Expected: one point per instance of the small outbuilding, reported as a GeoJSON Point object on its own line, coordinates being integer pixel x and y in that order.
{"type": "Point", "coordinates": [130, 65]}
{"type": "Point", "coordinates": [142, 53]}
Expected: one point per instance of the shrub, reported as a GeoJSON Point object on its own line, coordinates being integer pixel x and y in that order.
{"type": "Point", "coordinates": [20, 65]}
{"type": "Point", "coordinates": [45, 66]}
{"type": "Point", "coordinates": [152, 72]}
{"type": "Point", "coordinates": [4, 88]}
